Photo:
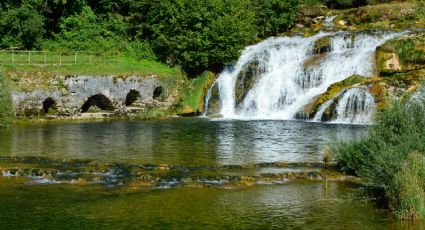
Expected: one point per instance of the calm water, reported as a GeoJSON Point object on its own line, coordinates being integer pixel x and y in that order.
{"type": "Point", "coordinates": [290, 206]}
{"type": "Point", "coordinates": [177, 141]}
{"type": "Point", "coordinates": [187, 142]}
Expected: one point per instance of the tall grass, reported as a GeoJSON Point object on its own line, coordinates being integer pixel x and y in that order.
{"type": "Point", "coordinates": [6, 108]}
{"type": "Point", "coordinates": [390, 158]}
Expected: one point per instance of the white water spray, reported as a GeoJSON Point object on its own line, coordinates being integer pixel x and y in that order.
{"type": "Point", "coordinates": [356, 106]}
{"type": "Point", "coordinates": [293, 74]}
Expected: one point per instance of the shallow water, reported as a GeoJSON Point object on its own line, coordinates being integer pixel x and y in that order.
{"type": "Point", "coordinates": [290, 205]}
{"type": "Point", "coordinates": [293, 206]}
{"type": "Point", "coordinates": [177, 141]}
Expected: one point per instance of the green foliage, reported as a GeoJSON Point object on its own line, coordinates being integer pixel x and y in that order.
{"type": "Point", "coordinates": [391, 157]}
{"type": "Point", "coordinates": [195, 35]}
{"type": "Point", "coordinates": [21, 27]}
{"type": "Point", "coordinates": [200, 34]}
{"type": "Point", "coordinates": [193, 94]}
{"type": "Point", "coordinates": [139, 50]}
{"type": "Point", "coordinates": [86, 31]}
{"type": "Point", "coordinates": [343, 4]}
{"type": "Point", "coordinates": [275, 16]}
{"type": "Point", "coordinates": [6, 108]}
{"type": "Point", "coordinates": [313, 2]}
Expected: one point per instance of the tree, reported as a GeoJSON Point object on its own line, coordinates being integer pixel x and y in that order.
{"type": "Point", "coordinates": [199, 35]}
{"type": "Point", "coordinates": [87, 31]}
{"type": "Point", "coordinates": [22, 27]}
{"type": "Point", "coordinates": [274, 16]}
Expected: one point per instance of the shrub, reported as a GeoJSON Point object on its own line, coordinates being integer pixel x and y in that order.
{"type": "Point", "coordinates": [390, 157]}
{"type": "Point", "coordinates": [6, 109]}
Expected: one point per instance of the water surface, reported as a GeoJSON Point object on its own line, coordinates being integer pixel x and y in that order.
{"type": "Point", "coordinates": [177, 141]}
{"type": "Point", "coordinates": [289, 206]}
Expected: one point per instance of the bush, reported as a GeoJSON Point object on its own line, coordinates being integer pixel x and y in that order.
{"type": "Point", "coordinates": [391, 157]}
{"type": "Point", "coordinates": [6, 108]}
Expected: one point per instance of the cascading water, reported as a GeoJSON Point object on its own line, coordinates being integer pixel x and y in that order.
{"type": "Point", "coordinates": [291, 72]}
{"type": "Point", "coordinates": [356, 106]}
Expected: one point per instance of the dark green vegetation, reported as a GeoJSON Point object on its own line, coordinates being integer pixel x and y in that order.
{"type": "Point", "coordinates": [198, 35]}
{"type": "Point", "coordinates": [390, 159]}
{"type": "Point", "coordinates": [6, 109]}
{"type": "Point", "coordinates": [344, 4]}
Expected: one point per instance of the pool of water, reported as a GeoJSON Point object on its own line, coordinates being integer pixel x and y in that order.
{"type": "Point", "coordinates": [188, 142]}
{"type": "Point", "coordinates": [184, 141]}
{"type": "Point", "coordinates": [289, 206]}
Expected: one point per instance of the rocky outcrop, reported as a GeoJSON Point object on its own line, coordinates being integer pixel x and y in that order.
{"type": "Point", "coordinates": [404, 54]}
{"type": "Point", "coordinates": [246, 79]}
{"type": "Point", "coordinates": [322, 45]}
{"type": "Point", "coordinates": [73, 95]}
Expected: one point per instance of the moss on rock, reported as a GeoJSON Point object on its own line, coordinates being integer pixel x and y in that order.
{"type": "Point", "coordinates": [402, 54]}
{"type": "Point", "coordinates": [192, 98]}
{"type": "Point", "coordinates": [322, 45]}
{"type": "Point", "coordinates": [311, 109]}
{"type": "Point", "coordinates": [394, 15]}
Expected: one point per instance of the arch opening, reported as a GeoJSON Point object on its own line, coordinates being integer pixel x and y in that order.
{"type": "Point", "coordinates": [49, 104]}
{"type": "Point", "coordinates": [96, 103]}
{"type": "Point", "coordinates": [132, 97]}
{"type": "Point", "coordinates": [157, 92]}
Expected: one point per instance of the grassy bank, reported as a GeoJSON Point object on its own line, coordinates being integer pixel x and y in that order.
{"type": "Point", "coordinates": [125, 66]}
{"type": "Point", "coordinates": [390, 159]}
{"type": "Point", "coordinates": [6, 109]}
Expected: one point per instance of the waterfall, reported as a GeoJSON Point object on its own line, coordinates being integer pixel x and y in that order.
{"type": "Point", "coordinates": [356, 106]}
{"type": "Point", "coordinates": [289, 72]}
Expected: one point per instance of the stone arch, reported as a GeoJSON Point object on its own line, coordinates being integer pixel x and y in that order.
{"type": "Point", "coordinates": [157, 92]}
{"type": "Point", "coordinates": [98, 100]}
{"type": "Point", "coordinates": [132, 97]}
{"type": "Point", "coordinates": [49, 103]}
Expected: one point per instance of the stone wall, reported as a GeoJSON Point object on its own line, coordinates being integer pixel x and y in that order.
{"type": "Point", "coordinates": [67, 95]}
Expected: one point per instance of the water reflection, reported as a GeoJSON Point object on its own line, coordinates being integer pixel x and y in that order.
{"type": "Point", "coordinates": [177, 141]}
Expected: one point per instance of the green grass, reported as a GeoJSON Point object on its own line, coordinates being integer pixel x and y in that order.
{"type": "Point", "coordinates": [123, 67]}
{"type": "Point", "coordinates": [390, 158]}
